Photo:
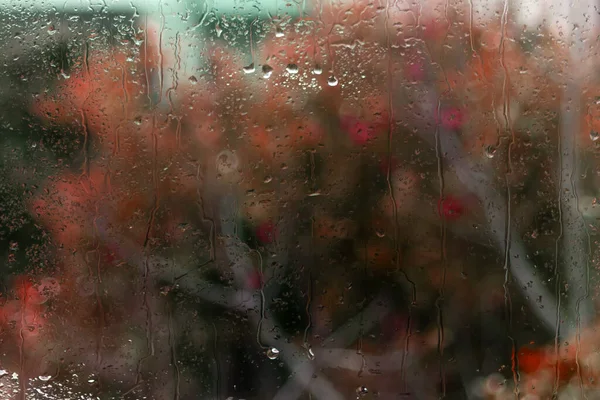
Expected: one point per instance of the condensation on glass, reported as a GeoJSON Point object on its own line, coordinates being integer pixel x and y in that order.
{"type": "Point", "coordinates": [299, 200]}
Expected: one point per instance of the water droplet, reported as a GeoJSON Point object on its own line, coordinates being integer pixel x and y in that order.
{"type": "Point", "coordinates": [51, 30]}
{"type": "Point", "coordinates": [361, 391]}
{"type": "Point", "coordinates": [267, 70]}
{"type": "Point", "coordinates": [268, 179]}
{"type": "Point", "coordinates": [310, 353]}
{"type": "Point", "coordinates": [3, 372]}
{"type": "Point", "coordinates": [317, 70]}
{"type": "Point", "coordinates": [33, 145]}
{"type": "Point", "coordinates": [534, 234]}
{"type": "Point", "coordinates": [249, 69]}
{"type": "Point", "coordinates": [91, 380]}
{"type": "Point", "coordinates": [490, 151]}
{"type": "Point", "coordinates": [44, 378]}
{"type": "Point", "coordinates": [65, 75]}
{"type": "Point", "coordinates": [14, 376]}
{"type": "Point", "coordinates": [380, 233]}
{"type": "Point", "coordinates": [273, 353]}
{"type": "Point", "coordinates": [594, 135]}
{"type": "Point", "coordinates": [332, 81]}
{"type": "Point", "coordinates": [598, 100]}
{"type": "Point", "coordinates": [278, 32]}
{"type": "Point", "coordinates": [14, 246]}
{"type": "Point", "coordinates": [292, 69]}
{"type": "Point", "coordinates": [193, 80]}
{"type": "Point", "coordinates": [218, 29]}
{"type": "Point", "coordinates": [137, 120]}
{"type": "Point", "coordinates": [226, 162]}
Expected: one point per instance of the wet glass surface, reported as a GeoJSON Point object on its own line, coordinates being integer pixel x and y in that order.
{"type": "Point", "coordinates": [299, 200]}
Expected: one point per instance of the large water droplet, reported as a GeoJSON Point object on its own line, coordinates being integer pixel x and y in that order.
{"type": "Point", "coordinates": [317, 70]}
{"type": "Point", "coordinates": [267, 70]}
{"type": "Point", "coordinates": [226, 162]}
{"type": "Point", "coordinates": [594, 135]}
{"type": "Point", "coordinates": [3, 372]}
{"type": "Point", "coordinates": [193, 80]}
{"type": "Point", "coordinates": [278, 32]}
{"type": "Point", "coordinates": [490, 151]}
{"type": "Point", "coordinates": [273, 353]}
{"type": "Point", "coordinates": [332, 81]}
{"type": "Point", "coordinates": [44, 378]}
{"type": "Point", "coordinates": [218, 29]}
{"type": "Point", "coordinates": [249, 69]}
{"type": "Point", "coordinates": [292, 69]}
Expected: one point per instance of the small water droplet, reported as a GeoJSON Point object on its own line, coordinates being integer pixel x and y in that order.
{"type": "Point", "coordinates": [51, 30]}
{"type": "Point", "coordinates": [534, 234]}
{"type": "Point", "coordinates": [332, 81]}
{"type": "Point", "coordinates": [249, 69]}
{"type": "Point", "coordinates": [490, 151]}
{"type": "Point", "coordinates": [267, 70]}
{"type": "Point", "coordinates": [33, 145]}
{"type": "Point", "coordinates": [193, 80]}
{"type": "Point", "coordinates": [594, 136]}
{"type": "Point", "coordinates": [361, 391]}
{"type": "Point", "coordinates": [598, 100]}
{"type": "Point", "coordinates": [380, 233]}
{"type": "Point", "coordinates": [137, 120]}
{"type": "Point", "coordinates": [3, 372]}
{"type": "Point", "coordinates": [218, 29]}
{"type": "Point", "coordinates": [278, 32]}
{"type": "Point", "coordinates": [14, 376]}
{"type": "Point", "coordinates": [44, 378]}
{"type": "Point", "coordinates": [14, 246]}
{"type": "Point", "coordinates": [91, 380]}
{"type": "Point", "coordinates": [292, 69]}
{"type": "Point", "coordinates": [310, 353]}
{"type": "Point", "coordinates": [268, 179]}
{"type": "Point", "coordinates": [65, 75]}
{"type": "Point", "coordinates": [317, 70]}
{"type": "Point", "coordinates": [273, 353]}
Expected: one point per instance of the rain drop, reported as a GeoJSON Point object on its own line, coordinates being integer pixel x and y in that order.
{"type": "Point", "coordinates": [361, 391]}
{"type": "Point", "coordinates": [44, 378]}
{"type": "Point", "coordinates": [273, 353]}
{"type": "Point", "coordinates": [332, 81]}
{"type": "Point", "coordinates": [292, 69]}
{"type": "Point", "coordinates": [218, 29]}
{"type": "Point", "coordinates": [490, 151]}
{"type": "Point", "coordinates": [14, 246]}
{"type": "Point", "coordinates": [594, 135]}
{"type": "Point", "coordinates": [268, 179]}
{"type": "Point", "coordinates": [249, 69]}
{"type": "Point", "coordinates": [193, 80]}
{"type": "Point", "coordinates": [3, 372]}
{"type": "Point", "coordinates": [278, 32]}
{"type": "Point", "coordinates": [137, 120]}
{"type": "Point", "coordinates": [267, 70]}
{"type": "Point", "coordinates": [310, 353]}
{"type": "Point", "coordinates": [317, 70]}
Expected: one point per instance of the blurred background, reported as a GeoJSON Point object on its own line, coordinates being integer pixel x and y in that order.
{"type": "Point", "coordinates": [310, 199]}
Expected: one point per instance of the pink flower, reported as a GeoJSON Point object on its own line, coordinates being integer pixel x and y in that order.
{"type": "Point", "coordinates": [415, 71]}
{"type": "Point", "coordinates": [266, 232]}
{"type": "Point", "coordinates": [359, 131]}
{"type": "Point", "coordinates": [254, 280]}
{"type": "Point", "coordinates": [452, 118]}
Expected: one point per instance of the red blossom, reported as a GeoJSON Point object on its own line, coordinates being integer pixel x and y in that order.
{"type": "Point", "coordinates": [451, 208]}
{"type": "Point", "coordinates": [452, 118]}
{"type": "Point", "coordinates": [266, 232]}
